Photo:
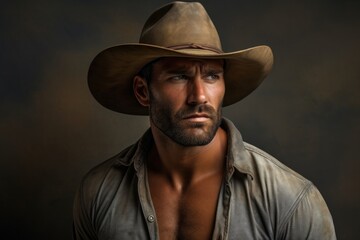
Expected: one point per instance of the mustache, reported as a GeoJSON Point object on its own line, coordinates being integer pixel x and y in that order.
{"type": "Point", "coordinates": [198, 109]}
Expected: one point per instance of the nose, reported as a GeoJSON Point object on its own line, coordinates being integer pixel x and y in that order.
{"type": "Point", "coordinates": [196, 91]}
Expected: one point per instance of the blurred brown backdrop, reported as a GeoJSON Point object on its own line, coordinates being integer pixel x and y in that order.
{"type": "Point", "coordinates": [52, 131]}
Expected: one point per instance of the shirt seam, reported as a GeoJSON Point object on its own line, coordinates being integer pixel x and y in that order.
{"type": "Point", "coordinates": [273, 160]}
{"type": "Point", "coordinates": [294, 207]}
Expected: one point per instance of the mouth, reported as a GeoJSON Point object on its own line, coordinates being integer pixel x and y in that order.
{"type": "Point", "coordinates": [200, 117]}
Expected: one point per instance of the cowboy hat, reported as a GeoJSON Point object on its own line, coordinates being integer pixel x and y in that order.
{"type": "Point", "coordinates": [178, 29]}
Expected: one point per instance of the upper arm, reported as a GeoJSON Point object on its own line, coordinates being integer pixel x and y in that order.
{"type": "Point", "coordinates": [310, 219]}
{"type": "Point", "coordinates": [83, 227]}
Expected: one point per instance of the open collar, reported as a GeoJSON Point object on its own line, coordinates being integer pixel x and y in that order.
{"type": "Point", "coordinates": [238, 158]}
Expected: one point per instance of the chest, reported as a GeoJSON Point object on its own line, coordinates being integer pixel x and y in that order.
{"type": "Point", "coordinates": [125, 213]}
{"type": "Point", "coordinates": [187, 215]}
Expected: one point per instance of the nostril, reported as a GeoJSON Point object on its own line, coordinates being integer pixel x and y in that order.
{"type": "Point", "coordinates": [192, 103]}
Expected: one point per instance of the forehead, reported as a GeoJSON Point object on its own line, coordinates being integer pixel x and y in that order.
{"type": "Point", "coordinates": [173, 63]}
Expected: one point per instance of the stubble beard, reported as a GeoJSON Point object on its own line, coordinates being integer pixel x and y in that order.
{"type": "Point", "coordinates": [182, 132]}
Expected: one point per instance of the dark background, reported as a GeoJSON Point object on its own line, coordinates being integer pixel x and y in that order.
{"type": "Point", "coordinates": [52, 131]}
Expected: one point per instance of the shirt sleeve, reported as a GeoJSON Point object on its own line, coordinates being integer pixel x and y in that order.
{"type": "Point", "coordinates": [83, 228]}
{"type": "Point", "coordinates": [310, 219]}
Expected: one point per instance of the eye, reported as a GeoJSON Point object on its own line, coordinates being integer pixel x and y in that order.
{"type": "Point", "coordinates": [213, 76]}
{"type": "Point", "coordinates": [179, 77]}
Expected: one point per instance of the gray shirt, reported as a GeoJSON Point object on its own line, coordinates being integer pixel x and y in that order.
{"type": "Point", "coordinates": [260, 198]}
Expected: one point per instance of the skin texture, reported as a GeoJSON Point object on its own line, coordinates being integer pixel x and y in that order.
{"type": "Point", "coordinates": [186, 163]}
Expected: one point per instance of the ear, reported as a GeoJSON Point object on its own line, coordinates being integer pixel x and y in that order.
{"type": "Point", "coordinates": [141, 90]}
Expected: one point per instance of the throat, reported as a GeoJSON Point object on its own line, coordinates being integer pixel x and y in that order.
{"type": "Point", "coordinates": [185, 165]}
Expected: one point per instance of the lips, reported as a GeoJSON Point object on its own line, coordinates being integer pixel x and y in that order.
{"type": "Point", "coordinates": [197, 118]}
{"type": "Point", "coordinates": [200, 115]}
{"type": "Point", "coordinates": [197, 113]}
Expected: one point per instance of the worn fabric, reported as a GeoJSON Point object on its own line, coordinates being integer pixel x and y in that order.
{"type": "Point", "coordinates": [260, 198]}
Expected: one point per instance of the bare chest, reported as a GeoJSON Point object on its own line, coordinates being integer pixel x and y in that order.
{"type": "Point", "coordinates": [187, 215]}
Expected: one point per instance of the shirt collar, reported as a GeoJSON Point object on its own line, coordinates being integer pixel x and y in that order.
{"type": "Point", "coordinates": [238, 158]}
{"type": "Point", "coordinates": [136, 153]}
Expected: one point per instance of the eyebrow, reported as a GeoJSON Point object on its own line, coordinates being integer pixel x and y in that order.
{"type": "Point", "coordinates": [186, 70]}
{"type": "Point", "coordinates": [213, 70]}
{"type": "Point", "coordinates": [178, 70]}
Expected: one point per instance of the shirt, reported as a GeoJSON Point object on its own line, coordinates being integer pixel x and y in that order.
{"type": "Point", "coordinates": [260, 198]}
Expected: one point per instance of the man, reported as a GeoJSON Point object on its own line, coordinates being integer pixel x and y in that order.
{"type": "Point", "coordinates": [190, 176]}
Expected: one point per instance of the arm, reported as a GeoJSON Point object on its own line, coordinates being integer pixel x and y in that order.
{"type": "Point", "coordinates": [83, 228]}
{"type": "Point", "coordinates": [310, 218]}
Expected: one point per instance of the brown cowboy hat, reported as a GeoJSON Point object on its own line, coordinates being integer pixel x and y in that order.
{"type": "Point", "coordinates": [178, 29]}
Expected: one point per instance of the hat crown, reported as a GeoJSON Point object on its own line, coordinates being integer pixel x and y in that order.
{"type": "Point", "coordinates": [181, 25]}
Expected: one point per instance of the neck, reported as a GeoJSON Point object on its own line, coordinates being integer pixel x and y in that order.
{"type": "Point", "coordinates": [183, 165]}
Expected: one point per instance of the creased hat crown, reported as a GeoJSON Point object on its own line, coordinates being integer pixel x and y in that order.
{"type": "Point", "coordinates": [180, 25]}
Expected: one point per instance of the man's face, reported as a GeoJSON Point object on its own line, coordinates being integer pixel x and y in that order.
{"type": "Point", "coordinates": [186, 98]}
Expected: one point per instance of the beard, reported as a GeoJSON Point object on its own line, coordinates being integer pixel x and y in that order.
{"type": "Point", "coordinates": [182, 132]}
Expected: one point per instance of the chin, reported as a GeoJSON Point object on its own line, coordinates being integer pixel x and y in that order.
{"type": "Point", "coordinates": [194, 137]}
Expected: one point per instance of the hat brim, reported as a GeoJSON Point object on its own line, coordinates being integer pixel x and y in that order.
{"type": "Point", "coordinates": [111, 73]}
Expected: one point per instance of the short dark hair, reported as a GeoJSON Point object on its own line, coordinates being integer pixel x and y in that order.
{"type": "Point", "coordinates": [146, 71]}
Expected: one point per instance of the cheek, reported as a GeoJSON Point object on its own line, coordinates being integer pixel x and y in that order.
{"type": "Point", "coordinates": [222, 91]}
{"type": "Point", "coordinates": [173, 94]}
{"type": "Point", "coordinates": [169, 97]}
{"type": "Point", "coordinates": [217, 92]}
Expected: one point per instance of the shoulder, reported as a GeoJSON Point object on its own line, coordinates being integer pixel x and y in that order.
{"type": "Point", "coordinates": [102, 179]}
{"type": "Point", "coordinates": [265, 166]}
{"type": "Point", "coordinates": [274, 181]}
{"type": "Point", "coordinates": [274, 185]}
{"type": "Point", "coordinates": [294, 203]}
{"type": "Point", "coordinates": [95, 195]}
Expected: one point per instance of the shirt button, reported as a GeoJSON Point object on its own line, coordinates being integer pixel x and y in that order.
{"type": "Point", "coordinates": [151, 218]}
